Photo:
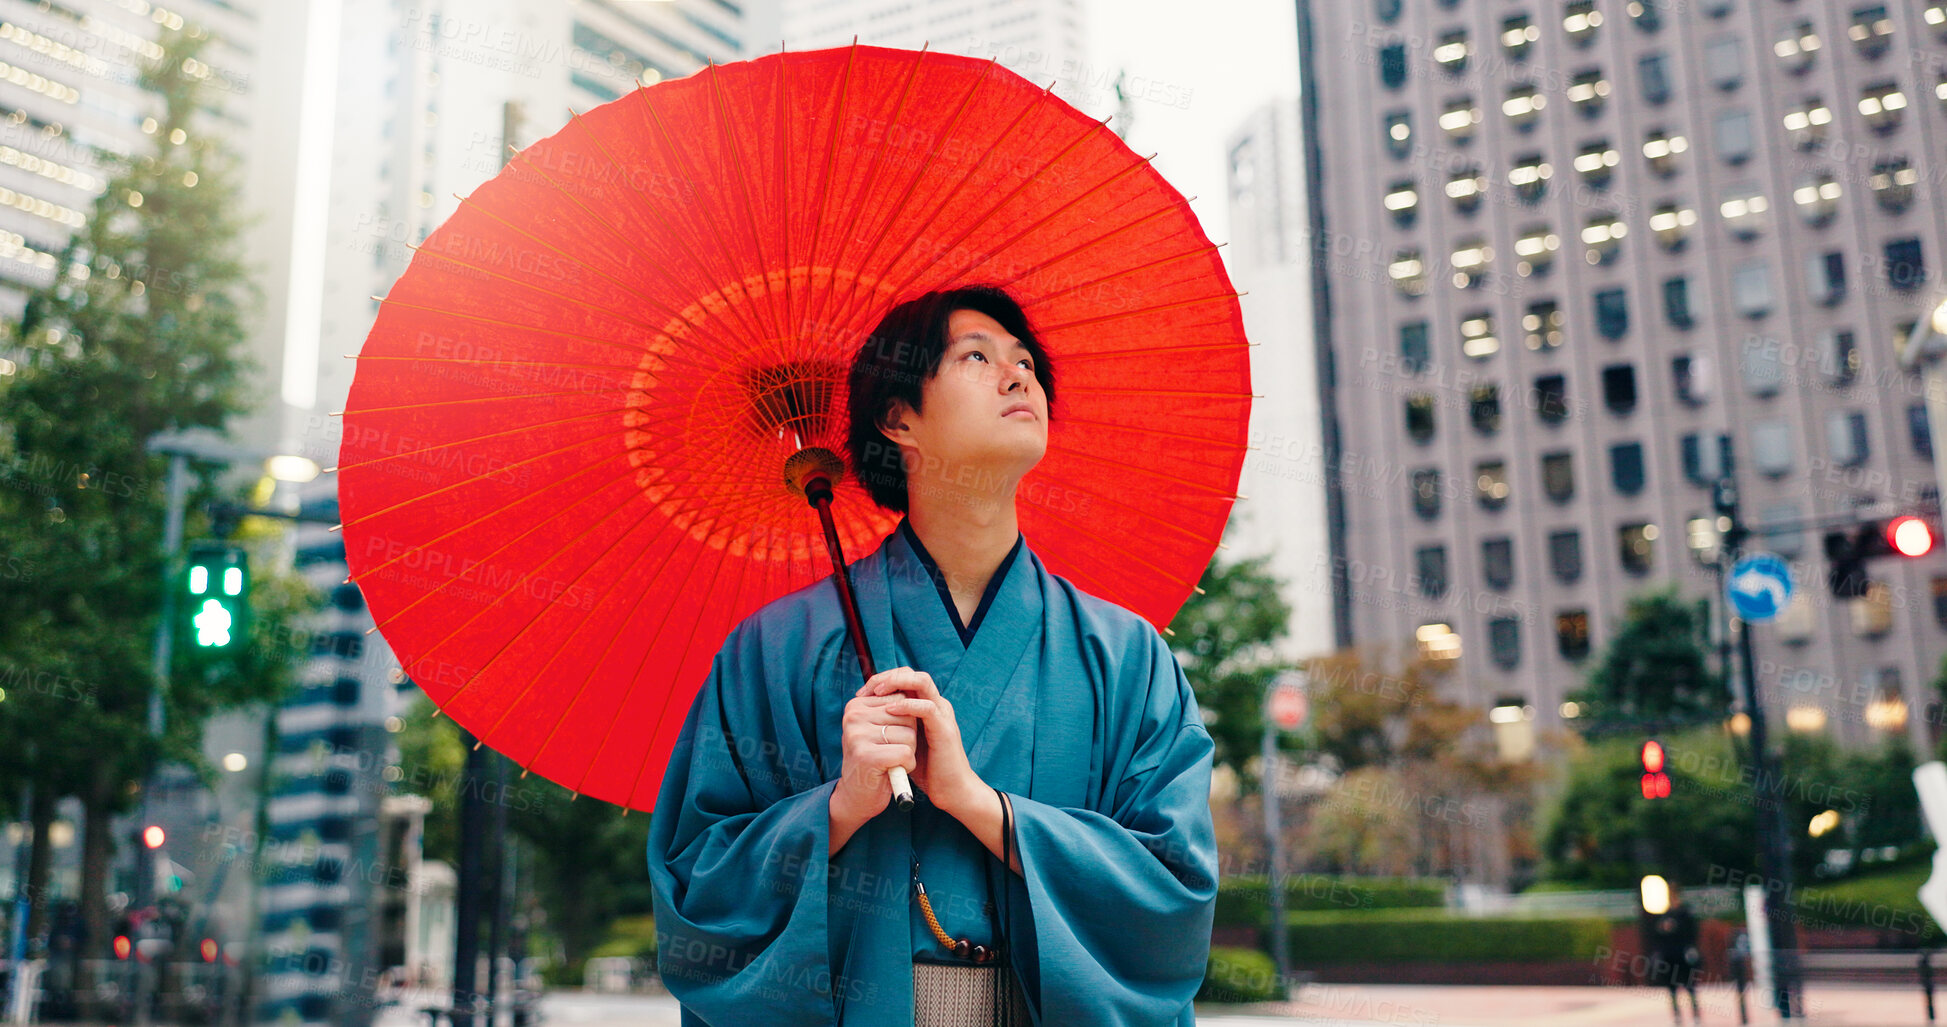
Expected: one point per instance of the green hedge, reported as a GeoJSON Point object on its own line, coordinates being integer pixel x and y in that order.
{"type": "Point", "coordinates": [1886, 899]}
{"type": "Point", "coordinates": [1244, 901]}
{"type": "Point", "coordinates": [1240, 975]}
{"type": "Point", "coordinates": [630, 936]}
{"type": "Point", "coordinates": [1407, 935]}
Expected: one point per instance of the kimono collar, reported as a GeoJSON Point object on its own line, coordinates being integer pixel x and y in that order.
{"type": "Point", "coordinates": [966, 631]}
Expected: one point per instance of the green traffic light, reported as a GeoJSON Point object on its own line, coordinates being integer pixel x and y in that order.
{"type": "Point", "coordinates": [213, 624]}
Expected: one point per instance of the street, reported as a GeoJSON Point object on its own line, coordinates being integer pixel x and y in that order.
{"type": "Point", "coordinates": [1333, 1005]}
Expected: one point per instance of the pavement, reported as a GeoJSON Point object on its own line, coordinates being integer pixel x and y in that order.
{"type": "Point", "coordinates": [1358, 1005]}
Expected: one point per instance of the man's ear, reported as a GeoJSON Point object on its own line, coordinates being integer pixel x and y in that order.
{"type": "Point", "coordinates": [892, 423]}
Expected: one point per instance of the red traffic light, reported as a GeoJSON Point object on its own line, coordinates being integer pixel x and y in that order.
{"type": "Point", "coordinates": [1656, 786]}
{"type": "Point", "coordinates": [209, 950]}
{"type": "Point", "coordinates": [152, 836]}
{"type": "Point", "coordinates": [122, 946]}
{"type": "Point", "coordinates": [1909, 536]}
{"type": "Point", "coordinates": [1652, 757]}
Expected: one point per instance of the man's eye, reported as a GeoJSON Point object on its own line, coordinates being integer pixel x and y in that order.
{"type": "Point", "coordinates": [979, 354]}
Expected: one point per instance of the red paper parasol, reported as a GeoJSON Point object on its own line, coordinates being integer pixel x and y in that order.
{"type": "Point", "coordinates": [561, 474]}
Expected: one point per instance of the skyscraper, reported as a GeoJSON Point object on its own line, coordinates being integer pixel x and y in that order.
{"type": "Point", "coordinates": [1042, 40]}
{"type": "Point", "coordinates": [1570, 246]}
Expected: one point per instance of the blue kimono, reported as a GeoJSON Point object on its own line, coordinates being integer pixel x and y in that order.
{"type": "Point", "coordinates": [1073, 706]}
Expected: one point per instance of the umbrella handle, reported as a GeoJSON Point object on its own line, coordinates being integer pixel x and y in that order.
{"type": "Point", "coordinates": [818, 492]}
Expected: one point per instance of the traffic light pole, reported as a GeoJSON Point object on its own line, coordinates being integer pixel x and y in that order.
{"type": "Point", "coordinates": [1774, 839]}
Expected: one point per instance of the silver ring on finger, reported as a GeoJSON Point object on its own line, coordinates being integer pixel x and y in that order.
{"type": "Point", "coordinates": [883, 740]}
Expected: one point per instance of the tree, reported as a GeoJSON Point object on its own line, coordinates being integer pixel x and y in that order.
{"type": "Point", "coordinates": [1600, 832]}
{"type": "Point", "coordinates": [140, 334]}
{"type": "Point", "coordinates": [1223, 639]}
{"type": "Point", "coordinates": [1655, 673]}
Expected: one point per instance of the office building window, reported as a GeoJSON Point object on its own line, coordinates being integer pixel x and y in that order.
{"type": "Point", "coordinates": [1636, 548]}
{"type": "Point", "coordinates": [1528, 177]}
{"type": "Point", "coordinates": [1413, 347]}
{"type": "Point", "coordinates": [1431, 564]}
{"type": "Point", "coordinates": [1472, 260]}
{"type": "Point", "coordinates": [1477, 338]}
{"type": "Point", "coordinates": [1392, 65]}
{"type": "Point", "coordinates": [1612, 313]}
{"type": "Point", "coordinates": [1408, 272]}
{"type": "Point", "coordinates": [1626, 471]}
{"type": "Point", "coordinates": [1403, 202]}
{"type": "Point", "coordinates": [1588, 91]}
{"type": "Point", "coordinates": [1892, 182]}
{"type": "Point", "coordinates": [1690, 375]}
{"type": "Point", "coordinates": [1542, 325]}
{"type": "Point", "coordinates": [1453, 50]}
{"type": "Point", "coordinates": [1386, 10]}
{"type": "Point", "coordinates": [1919, 430]}
{"type": "Point", "coordinates": [1751, 288]}
{"type": "Point", "coordinates": [1491, 484]}
{"type": "Point", "coordinates": [1518, 35]}
{"type": "Point", "coordinates": [1797, 48]}
{"type": "Point", "coordinates": [1558, 476]}
{"type": "Point", "coordinates": [1817, 197]}
{"type": "Point", "coordinates": [1572, 634]}
{"type": "Point", "coordinates": [1839, 357]}
{"type": "Point", "coordinates": [1825, 278]}
{"type": "Point", "coordinates": [1746, 211]}
{"type": "Point", "coordinates": [1845, 437]}
{"type": "Point", "coordinates": [1603, 236]}
{"type": "Point", "coordinates": [1653, 73]}
{"type": "Point", "coordinates": [1524, 105]}
{"type": "Point", "coordinates": [1399, 133]}
{"type": "Point", "coordinates": [1724, 62]}
{"type": "Point", "coordinates": [1580, 20]}
{"type": "Point", "coordinates": [1551, 398]}
{"type": "Point", "coordinates": [1906, 266]}
{"type": "Point", "coordinates": [1565, 556]}
{"type": "Point", "coordinates": [1771, 447]}
{"type": "Point", "coordinates": [1882, 105]}
{"type": "Point", "coordinates": [1484, 408]}
{"type": "Point", "coordinates": [1940, 600]}
{"type": "Point", "coordinates": [1426, 492]}
{"type": "Point", "coordinates": [1459, 119]}
{"type": "Point", "coordinates": [1504, 642]}
{"type": "Point", "coordinates": [1734, 136]}
{"type": "Point", "coordinates": [1619, 388]}
{"type": "Point", "coordinates": [1676, 302]}
{"type": "Point", "coordinates": [1467, 187]}
{"type": "Point", "coordinates": [1671, 223]}
{"type": "Point", "coordinates": [1871, 31]}
{"type": "Point", "coordinates": [1646, 13]}
{"type": "Point", "coordinates": [1663, 150]}
{"type": "Point", "coordinates": [1764, 371]}
{"type": "Point", "coordinates": [1596, 163]}
{"type": "Point", "coordinates": [1807, 122]}
{"type": "Point", "coordinates": [1497, 562]}
{"type": "Point", "coordinates": [1699, 454]}
{"type": "Point", "coordinates": [1534, 250]}
{"type": "Point", "coordinates": [1419, 418]}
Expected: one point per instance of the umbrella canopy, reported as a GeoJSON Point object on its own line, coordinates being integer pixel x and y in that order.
{"type": "Point", "coordinates": [561, 469]}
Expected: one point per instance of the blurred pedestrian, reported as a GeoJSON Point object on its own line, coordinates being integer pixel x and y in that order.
{"type": "Point", "coordinates": [1674, 958]}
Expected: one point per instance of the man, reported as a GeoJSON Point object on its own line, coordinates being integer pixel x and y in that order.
{"type": "Point", "coordinates": [1060, 858]}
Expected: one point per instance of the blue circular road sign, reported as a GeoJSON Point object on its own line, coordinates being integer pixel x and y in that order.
{"type": "Point", "coordinates": [1759, 587]}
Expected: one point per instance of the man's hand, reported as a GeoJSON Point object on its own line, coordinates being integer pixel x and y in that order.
{"type": "Point", "coordinates": [942, 768]}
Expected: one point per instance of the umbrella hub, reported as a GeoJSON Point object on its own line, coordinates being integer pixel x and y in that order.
{"type": "Point", "coordinates": [793, 400]}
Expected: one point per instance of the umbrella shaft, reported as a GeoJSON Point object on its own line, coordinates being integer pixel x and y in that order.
{"type": "Point", "coordinates": [842, 577]}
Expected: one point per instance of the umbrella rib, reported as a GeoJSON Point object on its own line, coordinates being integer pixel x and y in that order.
{"type": "Point", "coordinates": [671, 356]}
{"type": "Point", "coordinates": [704, 286]}
{"type": "Point", "coordinates": [1202, 439]}
{"type": "Point", "coordinates": [470, 479]}
{"type": "Point", "coordinates": [1193, 393]}
{"type": "Point", "coordinates": [1153, 518]}
{"type": "Point", "coordinates": [525, 497]}
{"type": "Point", "coordinates": [1052, 214]}
{"type": "Point", "coordinates": [781, 162]}
{"type": "Point", "coordinates": [615, 582]}
{"type": "Point", "coordinates": [865, 190]}
{"type": "Point", "coordinates": [1150, 471]}
{"type": "Point", "coordinates": [676, 155]}
{"type": "Point", "coordinates": [662, 712]}
{"type": "Point", "coordinates": [1107, 543]}
{"type": "Point", "coordinates": [729, 138]}
{"type": "Point", "coordinates": [523, 429]}
{"type": "Point", "coordinates": [1112, 276]}
{"type": "Point", "coordinates": [831, 163]}
{"type": "Point", "coordinates": [959, 184]}
{"type": "Point", "coordinates": [1203, 347]}
{"type": "Point", "coordinates": [465, 400]}
{"type": "Point", "coordinates": [1219, 298]}
{"type": "Point", "coordinates": [562, 296]}
{"type": "Point", "coordinates": [501, 362]}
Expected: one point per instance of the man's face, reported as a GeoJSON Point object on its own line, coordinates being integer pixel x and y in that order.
{"type": "Point", "coordinates": [984, 409]}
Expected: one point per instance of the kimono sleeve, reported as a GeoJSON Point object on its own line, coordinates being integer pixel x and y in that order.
{"type": "Point", "coordinates": [738, 859]}
{"type": "Point", "coordinates": [1121, 902]}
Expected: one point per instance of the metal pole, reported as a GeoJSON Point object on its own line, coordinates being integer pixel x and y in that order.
{"type": "Point", "coordinates": [466, 927]}
{"type": "Point", "coordinates": [497, 908]}
{"type": "Point", "coordinates": [1274, 838]}
{"type": "Point", "coordinates": [23, 903]}
{"type": "Point", "coordinates": [172, 543]}
{"type": "Point", "coordinates": [1774, 838]}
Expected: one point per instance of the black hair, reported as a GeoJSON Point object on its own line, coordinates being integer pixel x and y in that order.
{"type": "Point", "coordinates": [900, 356]}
